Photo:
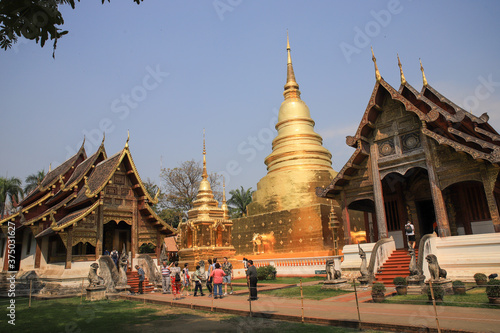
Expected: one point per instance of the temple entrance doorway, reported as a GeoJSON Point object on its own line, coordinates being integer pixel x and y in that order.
{"type": "Point", "coordinates": [408, 197]}
{"type": "Point", "coordinates": [116, 235]}
{"type": "Point", "coordinates": [426, 216]}
{"type": "Point", "coordinates": [470, 214]}
{"type": "Point", "coordinates": [362, 222]}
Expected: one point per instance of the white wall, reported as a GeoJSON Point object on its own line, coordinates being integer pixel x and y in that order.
{"type": "Point", "coordinates": [463, 256]}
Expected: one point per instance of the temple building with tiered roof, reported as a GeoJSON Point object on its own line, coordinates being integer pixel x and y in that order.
{"type": "Point", "coordinates": [82, 208]}
{"type": "Point", "coordinates": [420, 157]}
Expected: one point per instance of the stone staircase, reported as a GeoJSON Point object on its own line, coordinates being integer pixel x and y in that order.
{"type": "Point", "coordinates": [397, 264]}
{"type": "Point", "coordinates": [133, 282]}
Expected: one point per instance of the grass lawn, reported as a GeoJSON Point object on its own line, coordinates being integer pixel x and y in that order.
{"type": "Point", "coordinates": [309, 292]}
{"type": "Point", "coordinates": [68, 315]}
{"type": "Point", "coordinates": [286, 280]}
{"type": "Point", "coordinates": [473, 298]}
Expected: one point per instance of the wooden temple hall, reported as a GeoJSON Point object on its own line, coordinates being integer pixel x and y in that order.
{"type": "Point", "coordinates": [419, 157]}
{"type": "Point", "coordinates": [82, 208]}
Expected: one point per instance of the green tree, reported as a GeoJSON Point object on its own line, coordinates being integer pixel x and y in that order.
{"type": "Point", "coordinates": [33, 19]}
{"type": "Point", "coordinates": [33, 180]}
{"type": "Point", "coordinates": [10, 192]}
{"type": "Point", "coordinates": [240, 198]}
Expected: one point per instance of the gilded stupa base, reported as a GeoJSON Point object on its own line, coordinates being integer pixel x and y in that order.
{"type": "Point", "coordinates": [298, 232]}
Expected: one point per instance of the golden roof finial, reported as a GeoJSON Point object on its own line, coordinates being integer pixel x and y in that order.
{"type": "Point", "coordinates": [423, 74]}
{"type": "Point", "coordinates": [128, 138]}
{"type": "Point", "coordinates": [377, 73]}
{"type": "Point", "coordinates": [223, 190]}
{"type": "Point", "coordinates": [103, 138]}
{"type": "Point", "coordinates": [204, 174]}
{"type": "Point", "coordinates": [291, 86]}
{"type": "Point", "coordinates": [403, 80]}
{"type": "Point", "coordinates": [50, 167]}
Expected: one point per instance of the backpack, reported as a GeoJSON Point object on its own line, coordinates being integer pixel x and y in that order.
{"type": "Point", "coordinates": [408, 229]}
{"type": "Point", "coordinates": [177, 277]}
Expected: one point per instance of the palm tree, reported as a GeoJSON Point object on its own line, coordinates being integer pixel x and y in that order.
{"type": "Point", "coordinates": [240, 198]}
{"type": "Point", "coordinates": [11, 190]}
{"type": "Point", "coordinates": [33, 180]}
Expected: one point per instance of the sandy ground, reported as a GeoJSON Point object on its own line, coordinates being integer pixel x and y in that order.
{"type": "Point", "coordinates": [186, 320]}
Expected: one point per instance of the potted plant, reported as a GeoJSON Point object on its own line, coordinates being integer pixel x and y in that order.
{"type": "Point", "coordinates": [378, 292]}
{"type": "Point", "coordinates": [481, 279]}
{"type": "Point", "coordinates": [438, 292]}
{"type": "Point", "coordinates": [401, 285]}
{"type": "Point", "coordinates": [458, 287]}
{"type": "Point", "coordinates": [493, 291]}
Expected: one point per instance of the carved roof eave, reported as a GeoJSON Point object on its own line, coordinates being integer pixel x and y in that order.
{"type": "Point", "coordinates": [456, 118]}
{"type": "Point", "coordinates": [27, 208]}
{"type": "Point", "coordinates": [60, 170]}
{"type": "Point", "coordinates": [458, 110]}
{"type": "Point", "coordinates": [124, 153]}
{"type": "Point", "coordinates": [51, 210]}
{"type": "Point", "coordinates": [165, 225]}
{"type": "Point", "coordinates": [395, 95]}
{"type": "Point", "coordinates": [493, 158]}
{"type": "Point", "coordinates": [363, 151]}
{"type": "Point", "coordinates": [77, 218]}
{"type": "Point", "coordinates": [94, 158]}
{"type": "Point", "coordinates": [58, 227]}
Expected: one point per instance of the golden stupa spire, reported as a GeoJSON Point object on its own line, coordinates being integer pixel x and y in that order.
{"type": "Point", "coordinates": [204, 175]}
{"type": "Point", "coordinates": [291, 86]}
{"type": "Point", "coordinates": [377, 73]}
{"type": "Point", "coordinates": [403, 80]}
{"type": "Point", "coordinates": [223, 190]}
{"type": "Point", "coordinates": [423, 74]}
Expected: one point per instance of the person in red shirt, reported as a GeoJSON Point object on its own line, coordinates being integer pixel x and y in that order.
{"type": "Point", "coordinates": [216, 276]}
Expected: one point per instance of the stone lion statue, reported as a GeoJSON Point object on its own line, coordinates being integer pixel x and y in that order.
{"type": "Point", "coordinates": [94, 279]}
{"type": "Point", "coordinates": [331, 272]}
{"type": "Point", "coordinates": [263, 241]}
{"type": "Point", "coordinates": [436, 271]}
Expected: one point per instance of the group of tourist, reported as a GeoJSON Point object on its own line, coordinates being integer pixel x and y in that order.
{"type": "Point", "coordinates": [177, 281]}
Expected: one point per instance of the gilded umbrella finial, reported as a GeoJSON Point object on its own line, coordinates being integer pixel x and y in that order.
{"type": "Point", "coordinates": [204, 174]}
{"type": "Point", "coordinates": [291, 86]}
{"type": "Point", "coordinates": [423, 74]}
{"type": "Point", "coordinates": [377, 73]}
{"type": "Point", "coordinates": [403, 80]}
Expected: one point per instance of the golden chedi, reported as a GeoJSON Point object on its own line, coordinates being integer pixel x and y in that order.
{"type": "Point", "coordinates": [286, 216]}
{"type": "Point", "coordinates": [299, 163]}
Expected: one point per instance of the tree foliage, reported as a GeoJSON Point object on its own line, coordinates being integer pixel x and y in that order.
{"type": "Point", "coordinates": [181, 185]}
{"type": "Point", "coordinates": [36, 20]}
{"type": "Point", "coordinates": [33, 180]}
{"type": "Point", "coordinates": [10, 192]}
{"type": "Point", "coordinates": [240, 199]}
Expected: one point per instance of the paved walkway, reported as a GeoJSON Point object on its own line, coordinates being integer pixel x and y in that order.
{"type": "Point", "coordinates": [341, 311]}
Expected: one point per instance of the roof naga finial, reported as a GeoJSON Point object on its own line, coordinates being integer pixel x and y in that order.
{"type": "Point", "coordinates": [423, 74]}
{"type": "Point", "coordinates": [403, 80]}
{"type": "Point", "coordinates": [128, 139]}
{"type": "Point", "coordinates": [377, 73]}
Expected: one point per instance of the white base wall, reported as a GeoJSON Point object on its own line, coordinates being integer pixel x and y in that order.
{"type": "Point", "coordinates": [463, 256]}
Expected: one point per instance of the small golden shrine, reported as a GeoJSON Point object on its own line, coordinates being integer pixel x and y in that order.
{"type": "Point", "coordinates": [207, 231]}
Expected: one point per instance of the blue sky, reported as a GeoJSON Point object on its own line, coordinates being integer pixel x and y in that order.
{"type": "Point", "coordinates": [167, 69]}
